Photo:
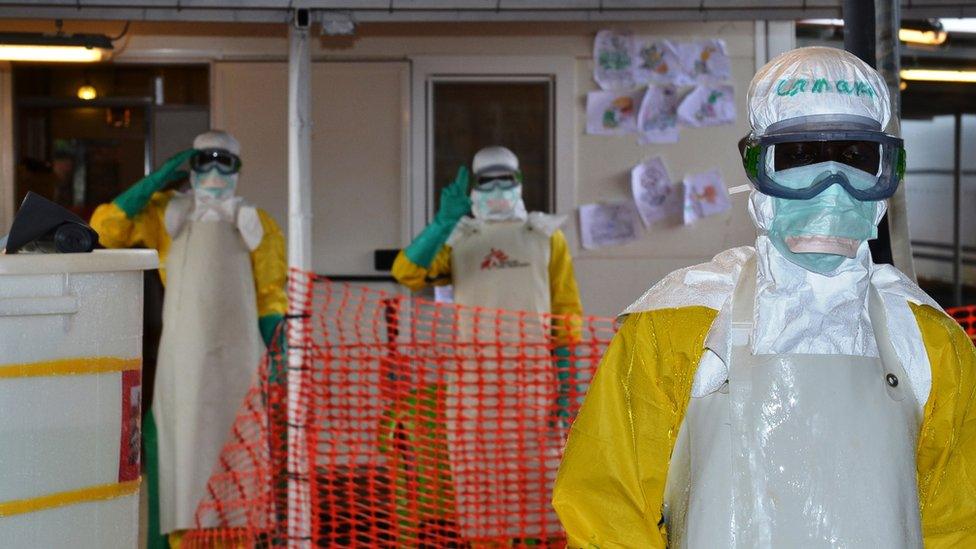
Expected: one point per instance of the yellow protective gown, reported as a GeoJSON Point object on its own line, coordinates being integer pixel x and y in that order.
{"type": "Point", "coordinates": [148, 229]}
{"type": "Point", "coordinates": [610, 488]}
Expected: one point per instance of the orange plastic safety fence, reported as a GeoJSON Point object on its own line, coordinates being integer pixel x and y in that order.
{"type": "Point", "coordinates": [966, 317]}
{"type": "Point", "coordinates": [391, 421]}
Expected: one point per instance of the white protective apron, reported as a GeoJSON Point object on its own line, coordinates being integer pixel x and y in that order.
{"type": "Point", "coordinates": [503, 453]}
{"type": "Point", "coordinates": [502, 265]}
{"type": "Point", "coordinates": [798, 451]}
{"type": "Point", "coordinates": [208, 356]}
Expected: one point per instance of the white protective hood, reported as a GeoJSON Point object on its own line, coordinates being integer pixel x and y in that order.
{"type": "Point", "coordinates": [815, 81]}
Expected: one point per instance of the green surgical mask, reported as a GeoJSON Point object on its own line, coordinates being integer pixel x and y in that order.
{"type": "Point", "coordinates": [833, 214]}
{"type": "Point", "coordinates": [497, 204]}
{"type": "Point", "coordinates": [214, 183]}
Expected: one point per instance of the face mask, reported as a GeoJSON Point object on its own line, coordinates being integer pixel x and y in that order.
{"type": "Point", "coordinates": [214, 184]}
{"type": "Point", "coordinates": [818, 234]}
{"type": "Point", "coordinates": [498, 204]}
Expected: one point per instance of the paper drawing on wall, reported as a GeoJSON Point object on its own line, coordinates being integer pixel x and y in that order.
{"type": "Point", "coordinates": [708, 105]}
{"type": "Point", "coordinates": [705, 194]}
{"type": "Point", "coordinates": [608, 224]}
{"type": "Point", "coordinates": [654, 195]}
{"type": "Point", "coordinates": [612, 113]}
{"type": "Point", "coordinates": [655, 61]}
{"type": "Point", "coordinates": [657, 120]}
{"type": "Point", "coordinates": [703, 61]}
{"type": "Point", "coordinates": [612, 62]}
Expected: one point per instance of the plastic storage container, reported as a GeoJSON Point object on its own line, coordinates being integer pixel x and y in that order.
{"type": "Point", "coordinates": [70, 391]}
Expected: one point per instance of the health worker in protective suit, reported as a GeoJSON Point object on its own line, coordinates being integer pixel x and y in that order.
{"type": "Point", "coordinates": [529, 267]}
{"type": "Point", "coordinates": [501, 258]}
{"type": "Point", "coordinates": [792, 394]}
{"type": "Point", "coordinates": [223, 265]}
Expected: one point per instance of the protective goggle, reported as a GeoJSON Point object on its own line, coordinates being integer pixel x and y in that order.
{"type": "Point", "coordinates": [224, 161]}
{"type": "Point", "coordinates": [489, 183]}
{"type": "Point", "coordinates": [774, 161]}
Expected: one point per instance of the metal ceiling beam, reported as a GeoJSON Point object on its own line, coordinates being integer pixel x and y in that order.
{"type": "Point", "coordinates": [277, 11]}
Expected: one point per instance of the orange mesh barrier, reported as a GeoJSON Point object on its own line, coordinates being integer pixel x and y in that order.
{"type": "Point", "coordinates": [966, 317]}
{"type": "Point", "coordinates": [401, 422]}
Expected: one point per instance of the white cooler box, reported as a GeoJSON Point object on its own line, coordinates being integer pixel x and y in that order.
{"type": "Point", "coordinates": [70, 391]}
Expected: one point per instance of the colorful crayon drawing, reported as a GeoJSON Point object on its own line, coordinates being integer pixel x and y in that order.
{"type": "Point", "coordinates": [658, 116]}
{"type": "Point", "coordinates": [608, 224]}
{"type": "Point", "coordinates": [705, 195]}
{"type": "Point", "coordinates": [612, 113]}
{"type": "Point", "coordinates": [708, 105]}
{"type": "Point", "coordinates": [613, 64]}
{"type": "Point", "coordinates": [654, 195]}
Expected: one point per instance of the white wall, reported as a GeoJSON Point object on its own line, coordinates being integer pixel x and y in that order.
{"type": "Point", "coordinates": [357, 141]}
{"type": "Point", "coordinates": [929, 184]}
{"type": "Point", "coordinates": [610, 278]}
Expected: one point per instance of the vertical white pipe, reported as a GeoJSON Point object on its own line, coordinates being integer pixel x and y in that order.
{"type": "Point", "coordinates": [300, 257]}
{"type": "Point", "coordinates": [299, 151]}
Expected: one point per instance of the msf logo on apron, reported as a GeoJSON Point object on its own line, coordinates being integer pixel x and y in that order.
{"type": "Point", "coordinates": [498, 259]}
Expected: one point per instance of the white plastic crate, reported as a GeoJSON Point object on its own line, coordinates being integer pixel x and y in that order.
{"type": "Point", "coordinates": [70, 390]}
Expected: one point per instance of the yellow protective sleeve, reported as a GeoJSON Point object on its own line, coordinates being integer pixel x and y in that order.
{"type": "Point", "coordinates": [146, 230]}
{"type": "Point", "coordinates": [610, 487]}
{"type": "Point", "coordinates": [270, 268]}
{"type": "Point", "coordinates": [946, 457]}
{"type": "Point", "coordinates": [416, 278]}
{"type": "Point", "coordinates": [563, 292]}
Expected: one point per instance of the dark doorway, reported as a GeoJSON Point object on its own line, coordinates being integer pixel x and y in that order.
{"type": "Point", "coordinates": [84, 134]}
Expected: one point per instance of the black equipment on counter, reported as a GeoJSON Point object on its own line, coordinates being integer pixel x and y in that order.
{"type": "Point", "coordinates": [43, 226]}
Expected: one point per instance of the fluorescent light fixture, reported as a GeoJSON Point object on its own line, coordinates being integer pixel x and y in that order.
{"type": "Point", "coordinates": [823, 22]}
{"type": "Point", "coordinates": [933, 37]}
{"type": "Point", "coordinates": [951, 24]}
{"type": "Point", "coordinates": [56, 48]}
{"type": "Point", "coordinates": [55, 54]}
{"type": "Point", "coordinates": [938, 75]}
{"type": "Point", "coordinates": [932, 34]}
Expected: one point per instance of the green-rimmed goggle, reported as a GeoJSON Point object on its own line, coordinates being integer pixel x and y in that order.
{"type": "Point", "coordinates": [489, 183]}
{"type": "Point", "coordinates": [225, 161]}
{"type": "Point", "coordinates": [773, 161]}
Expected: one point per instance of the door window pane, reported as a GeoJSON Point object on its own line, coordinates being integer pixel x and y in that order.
{"type": "Point", "coordinates": [470, 115]}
